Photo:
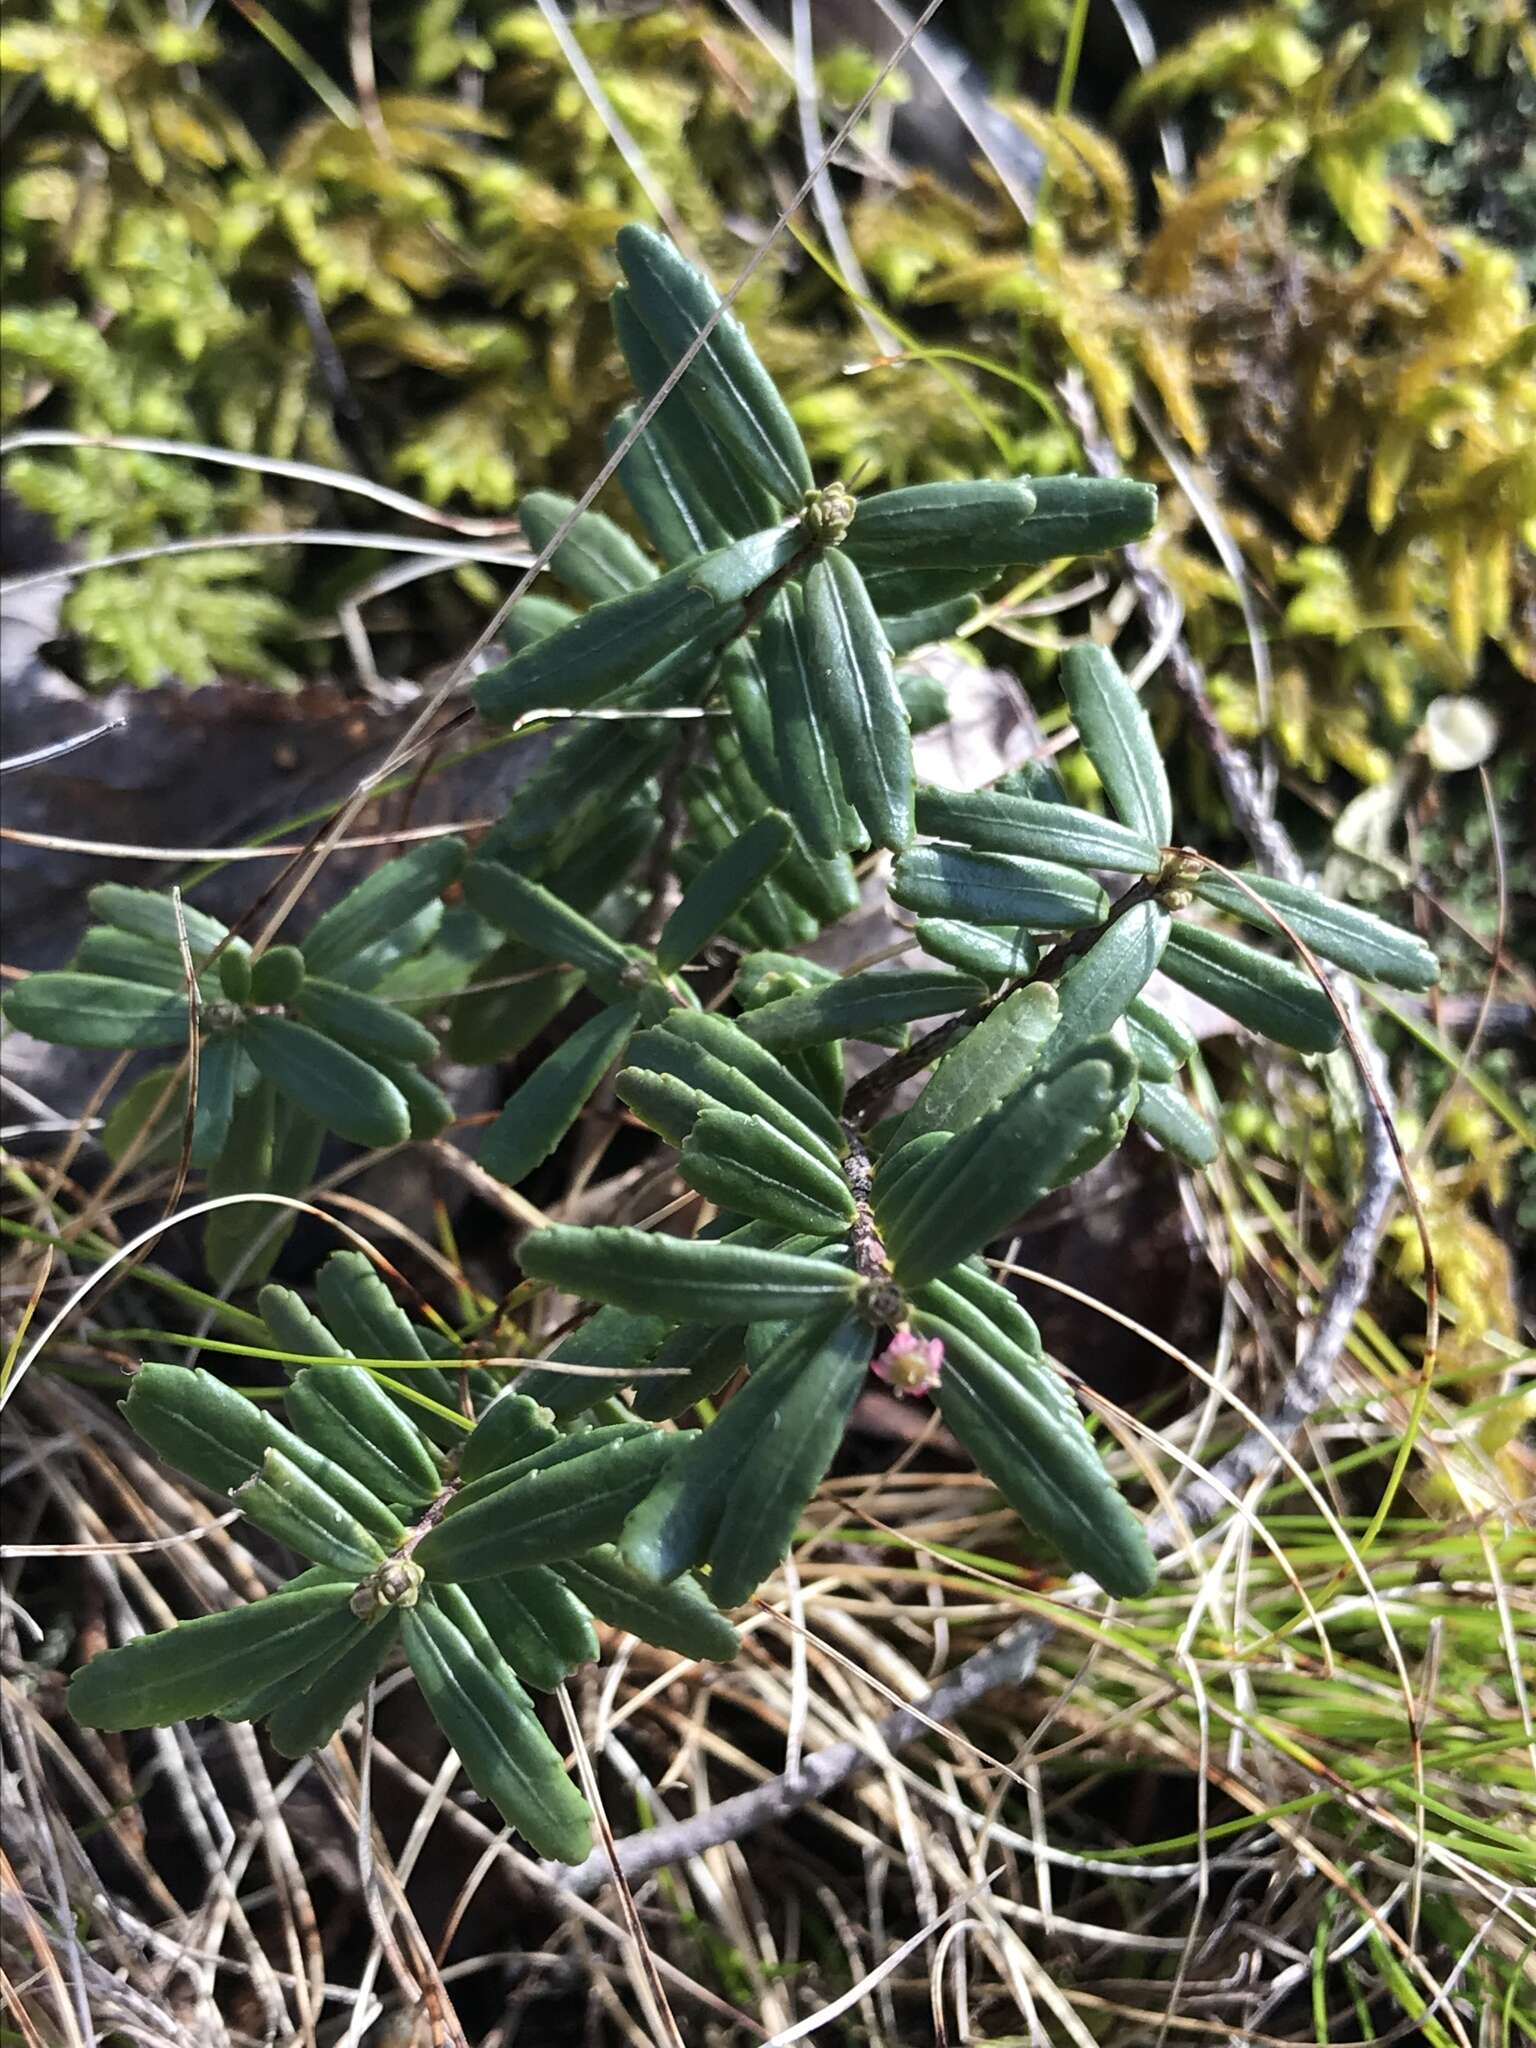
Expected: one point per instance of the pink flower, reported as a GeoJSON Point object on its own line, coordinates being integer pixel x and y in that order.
{"type": "Point", "coordinates": [910, 1364]}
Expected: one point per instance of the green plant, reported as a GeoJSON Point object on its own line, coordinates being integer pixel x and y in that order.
{"type": "Point", "coordinates": [739, 725]}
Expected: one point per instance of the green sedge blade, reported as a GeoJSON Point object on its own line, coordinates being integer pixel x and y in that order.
{"type": "Point", "coordinates": [1165, 1114]}
{"type": "Point", "coordinates": [333, 1085]}
{"type": "Point", "coordinates": [908, 631]}
{"type": "Point", "coordinates": [677, 1617]}
{"type": "Point", "coordinates": [198, 1666]}
{"type": "Point", "coordinates": [721, 888]}
{"type": "Point", "coordinates": [722, 1060]}
{"type": "Point", "coordinates": [860, 1005]}
{"type": "Point", "coordinates": [692, 1365]}
{"type": "Point", "coordinates": [725, 382]}
{"type": "Point", "coordinates": [991, 1061]}
{"type": "Point", "coordinates": [596, 559]}
{"type": "Point", "coordinates": [96, 1012]}
{"type": "Point", "coordinates": [363, 1024]}
{"type": "Point", "coordinates": [218, 1071]}
{"type": "Point", "coordinates": [995, 821]}
{"type": "Point", "coordinates": [538, 1623]}
{"type": "Point", "coordinates": [541, 920]}
{"type": "Point", "coordinates": [609, 1347]}
{"type": "Point", "coordinates": [746, 1166]}
{"type": "Point", "coordinates": [149, 915]}
{"type": "Point", "coordinates": [381, 904]}
{"type": "Point", "coordinates": [324, 1693]}
{"type": "Point", "coordinates": [801, 1412]}
{"type": "Point", "coordinates": [506, 1755]}
{"type": "Point", "coordinates": [1049, 1473]}
{"type": "Point", "coordinates": [625, 637]}
{"type": "Point", "coordinates": [342, 1411]}
{"type": "Point", "coordinates": [804, 740]}
{"type": "Point", "coordinates": [990, 1175]}
{"type": "Point", "coordinates": [1117, 736]}
{"type": "Point", "coordinates": [1084, 515]}
{"type": "Point", "coordinates": [723, 502]}
{"type": "Point", "coordinates": [538, 1115]}
{"type": "Point", "coordinates": [858, 699]}
{"type": "Point", "coordinates": [996, 888]}
{"type": "Point", "coordinates": [685, 1279]}
{"type": "Point", "coordinates": [992, 953]}
{"type": "Point", "coordinates": [1355, 940]}
{"type": "Point", "coordinates": [514, 1427]}
{"type": "Point", "coordinates": [1269, 996]}
{"type": "Point", "coordinates": [560, 1510]}
{"type": "Point", "coordinates": [966, 526]}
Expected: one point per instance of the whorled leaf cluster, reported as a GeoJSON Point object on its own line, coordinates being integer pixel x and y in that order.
{"type": "Point", "coordinates": [846, 1220]}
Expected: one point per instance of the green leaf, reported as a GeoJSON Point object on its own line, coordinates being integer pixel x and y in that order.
{"type": "Point", "coordinates": [234, 974]}
{"type": "Point", "coordinates": [1352, 939]}
{"type": "Point", "coordinates": [995, 888]}
{"type": "Point", "coordinates": [666, 1105]}
{"type": "Point", "coordinates": [366, 1318]}
{"type": "Point", "coordinates": [123, 956]}
{"type": "Point", "coordinates": [662, 497]}
{"type": "Point", "coordinates": [1084, 515]}
{"type": "Point", "coordinates": [722, 501]}
{"type": "Point", "coordinates": [403, 943]}
{"type": "Point", "coordinates": [152, 916]}
{"type": "Point", "coordinates": [596, 559]}
{"type": "Point", "coordinates": [704, 1356]}
{"type": "Point", "coordinates": [1164, 1114]}
{"type": "Point", "coordinates": [748, 745]}
{"type": "Point", "coordinates": [718, 891]}
{"type": "Point", "coordinates": [506, 1755]}
{"type": "Point", "coordinates": [198, 1666]}
{"type": "Point", "coordinates": [198, 1424]}
{"type": "Point", "coordinates": [541, 920]}
{"type": "Point", "coordinates": [288, 1504]}
{"type": "Point", "coordinates": [493, 1023]}
{"type": "Point", "coordinates": [990, 1175]}
{"type": "Point", "coordinates": [218, 1070]}
{"type": "Point", "coordinates": [331, 1084]}
{"type": "Point", "coordinates": [381, 904]}
{"type": "Point", "coordinates": [539, 1113]}
{"type": "Point", "coordinates": [326, 1691]}
{"type": "Point", "coordinates": [1118, 739]}
{"type": "Point", "coordinates": [860, 1005]}
{"type": "Point", "coordinates": [1160, 1045]}
{"type": "Point", "coordinates": [342, 1411]}
{"type": "Point", "coordinates": [278, 975]}
{"type": "Point", "coordinates": [685, 1279]}
{"type": "Point", "coordinates": [804, 739]}
{"type": "Point", "coordinates": [678, 1617]}
{"type": "Point", "coordinates": [719, 1057]}
{"type": "Point", "coordinates": [1049, 1473]}
{"type": "Point", "coordinates": [584, 778]}
{"type": "Point", "coordinates": [537, 1623]}
{"type": "Point", "coordinates": [747, 1166]}
{"type": "Point", "coordinates": [245, 1163]}
{"type": "Point", "coordinates": [858, 700]}
{"type": "Point", "coordinates": [992, 953]}
{"type": "Point", "coordinates": [1100, 985]}
{"type": "Point", "coordinates": [669, 621]}
{"type": "Point", "coordinates": [996, 821]}
{"type": "Point", "coordinates": [990, 1062]}
{"type": "Point", "coordinates": [364, 1025]}
{"type": "Point", "coordinates": [613, 1343]}
{"type": "Point", "coordinates": [294, 1327]}
{"type": "Point", "coordinates": [429, 1109]}
{"type": "Point", "coordinates": [967, 526]}
{"type": "Point", "coordinates": [558, 1510]}
{"type": "Point", "coordinates": [1270, 996]}
{"type": "Point", "coordinates": [511, 1429]}
{"type": "Point", "coordinates": [93, 1011]}
{"type": "Point", "coordinates": [725, 381]}
{"type": "Point", "coordinates": [908, 631]}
